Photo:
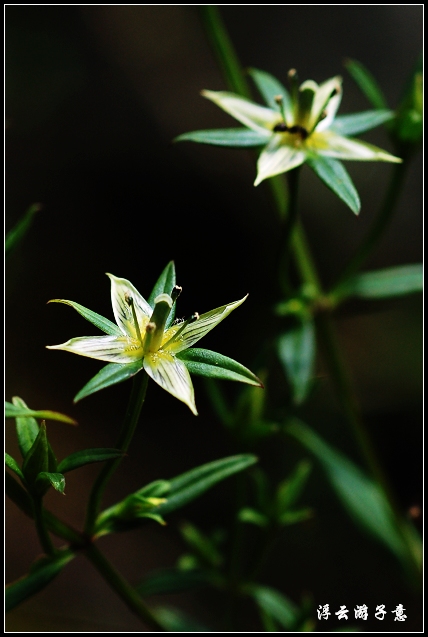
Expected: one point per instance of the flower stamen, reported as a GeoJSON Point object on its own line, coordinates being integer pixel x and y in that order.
{"type": "Point", "coordinates": [130, 302]}
{"type": "Point", "coordinates": [175, 336]}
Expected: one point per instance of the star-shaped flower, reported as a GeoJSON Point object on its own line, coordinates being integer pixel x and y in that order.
{"type": "Point", "coordinates": [145, 337]}
{"type": "Point", "coordinates": [296, 128]}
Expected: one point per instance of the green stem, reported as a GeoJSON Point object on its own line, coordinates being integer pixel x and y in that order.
{"type": "Point", "coordinates": [123, 589]}
{"type": "Point", "coordinates": [42, 531]}
{"type": "Point", "coordinates": [135, 404]}
{"type": "Point", "coordinates": [376, 231]}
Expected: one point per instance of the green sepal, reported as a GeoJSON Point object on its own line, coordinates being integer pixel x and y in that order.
{"type": "Point", "coordinates": [172, 580]}
{"type": "Point", "coordinates": [229, 137]}
{"type": "Point", "coordinates": [164, 285]}
{"type": "Point", "coordinates": [361, 496]}
{"type": "Point", "coordinates": [252, 516]}
{"type": "Point", "coordinates": [41, 574]}
{"type": "Point", "coordinates": [111, 374]}
{"type": "Point", "coordinates": [269, 88]}
{"type": "Point", "coordinates": [40, 458]}
{"type": "Point", "coordinates": [19, 231]}
{"type": "Point", "coordinates": [99, 321]}
{"type": "Point", "coordinates": [335, 176]}
{"type": "Point", "coordinates": [367, 83]}
{"type": "Point", "coordinates": [276, 605]}
{"type": "Point", "coordinates": [45, 479]}
{"type": "Point", "coordinates": [350, 125]}
{"type": "Point", "coordinates": [296, 350]}
{"type": "Point", "coordinates": [87, 456]}
{"type": "Point", "coordinates": [177, 492]}
{"type": "Point", "coordinates": [20, 410]}
{"type": "Point", "coordinates": [386, 283]}
{"type": "Point", "coordinates": [203, 362]}
{"type": "Point", "coordinates": [14, 466]}
{"type": "Point", "coordinates": [289, 490]}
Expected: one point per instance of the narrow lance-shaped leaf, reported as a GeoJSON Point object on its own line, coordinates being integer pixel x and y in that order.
{"type": "Point", "coordinates": [203, 362]}
{"type": "Point", "coordinates": [367, 83]}
{"type": "Point", "coordinates": [47, 479]}
{"type": "Point", "coordinates": [277, 605]}
{"type": "Point", "coordinates": [39, 577]}
{"type": "Point", "coordinates": [96, 319]}
{"type": "Point", "coordinates": [229, 137]}
{"type": "Point", "coordinates": [335, 176]}
{"type": "Point", "coordinates": [27, 428]}
{"type": "Point", "coordinates": [20, 410]}
{"type": "Point", "coordinates": [111, 374]}
{"type": "Point", "coordinates": [357, 123]}
{"type": "Point", "coordinates": [296, 350]}
{"type": "Point", "coordinates": [87, 456]}
{"type": "Point", "coordinates": [13, 465]}
{"type": "Point", "coordinates": [387, 283]}
{"type": "Point", "coordinates": [361, 496]}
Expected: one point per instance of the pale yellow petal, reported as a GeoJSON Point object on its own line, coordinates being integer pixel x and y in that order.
{"type": "Point", "coordinates": [121, 290]}
{"type": "Point", "coordinates": [172, 375]}
{"type": "Point", "coordinates": [278, 157]}
{"type": "Point", "coordinates": [249, 113]}
{"type": "Point", "coordinates": [112, 349]}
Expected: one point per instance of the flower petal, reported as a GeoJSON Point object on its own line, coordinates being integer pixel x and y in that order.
{"type": "Point", "coordinates": [323, 102]}
{"type": "Point", "coordinates": [332, 145]}
{"type": "Point", "coordinates": [112, 349]}
{"type": "Point", "coordinates": [277, 158]}
{"type": "Point", "coordinates": [193, 332]}
{"type": "Point", "coordinates": [120, 288]}
{"type": "Point", "coordinates": [250, 114]}
{"type": "Point", "coordinates": [172, 375]}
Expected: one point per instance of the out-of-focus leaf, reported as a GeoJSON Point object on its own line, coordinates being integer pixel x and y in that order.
{"type": "Point", "coordinates": [175, 621]}
{"type": "Point", "coordinates": [390, 282]}
{"type": "Point", "coordinates": [87, 456]}
{"type": "Point", "coordinates": [367, 83]}
{"type": "Point", "coordinates": [230, 137]}
{"type": "Point", "coordinates": [362, 497]}
{"type": "Point", "coordinates": [293, 517]}
{"type": "Point", "coordinates": [202, 545]}
{"type": "Point", "coordinates": [251, 516]}
{"type": "Point", "coordinates": [16, 410]}
{"type": "Point", "coordinates": [335, 176]}
{"type": "Point", "coordinates": [277, 605]}
{"type": "Point", "coordinates": [41, 574]}
{"type": "Point", "coordinates": [296, 350]}
{"type": "Point", "coordinates": [111, 374]}
{"type": "Point", "coordinates": [290, 489]}
{"type": "Point", "coordinates": [17, 233]}
{"type": "Point", "coordinates": [357, 123]}
{"type": "Point", "coordinates": [171, 580]}
{"type": "Point", "coordinates": [204, 362]}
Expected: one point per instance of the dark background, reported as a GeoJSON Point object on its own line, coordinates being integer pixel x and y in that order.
{"type": "Point", "coordinates": [95, 95]}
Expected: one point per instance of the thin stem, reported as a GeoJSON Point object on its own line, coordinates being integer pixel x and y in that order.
{"type": "Point", "coordinates": [42, 531]}
{"type": "Point", "coordinates": [376, 231]}
{"type": "Point", "coordinates": [135, 404]}
{"type": "Point", "coordinates": [123, 589]}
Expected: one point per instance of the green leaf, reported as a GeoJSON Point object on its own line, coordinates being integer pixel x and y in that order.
{"type": "Point", "coordinates": [290, 489]}
{"type": "Point", "coordinates": [367, 83]}
{"type": "Point", "coordinates": [20, 410]}
{"type": "Point", "coordinates": [277, 605]}
{"type": "Point", "coordinates": [270, 88]}
{"type": "Point", "coordinates": [357, 123]}
{"type": "Point", "coordinates": [13, 465]}
{"type": "Point", "coordinates": [192, 484]}
{"type": "Point", "coordinates": [45, 479]}
{"type": "Point", "coordinates": [335, 176]}
{"type": "Point", "coordinates": [251, 516]}
{"type": "Point", "coordinates": [362, 497]}
{"type": "Point", "coordinates": [96, 319]}
{"type": "Point", "coordinates": [296, 350]}
{"type": "Point", "coordinates": [203, 362]}
{"type": "Point", "coordinates": [17, 233]}
{"type": "Point", "coordinates": [387, 283]}
{"type": "Point", "coordinates": [175, 621]}
{"type": "Point", "coordinates": [165, 285]}
{"type": "Point", "coordinates": [171, 580]}
{"type": "Point", "coordinates": [27, 428]}
{"type": "Point", "coordinates": [230, 137]}
{"type": "Point", "coordinates": [37, 458]}
{"type": "Point", "coordinates": [111, 374]}
{"type": "Point", "coordinates": [40, 576]}
{"type": "Point", "coordinates": [87, 456]}
{"type": "Point", "coordinates": [293, 517]}
{"type": "Point", "coordinates": [202, 546]}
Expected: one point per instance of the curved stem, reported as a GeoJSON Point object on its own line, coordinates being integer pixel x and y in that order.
{"type": "Point", "coordinates": [376, 231]}
{"type": "Point", "coordinates": [123, 589]}
{"type": "Point", "coordinates": [135, 404]}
